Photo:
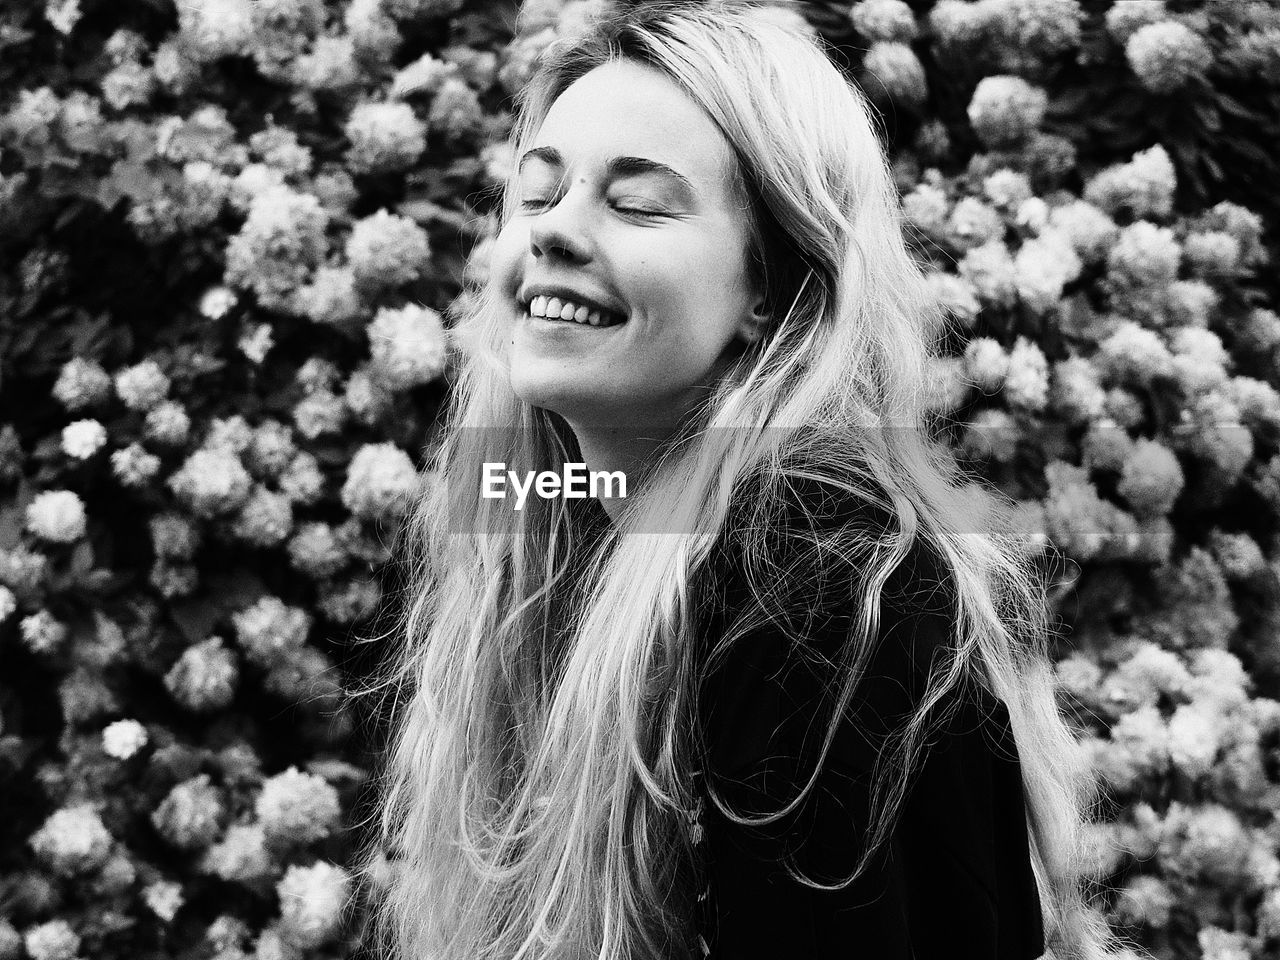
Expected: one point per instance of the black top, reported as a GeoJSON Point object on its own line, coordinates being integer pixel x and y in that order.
{"type": "Point", "coordinates": [955, 879]}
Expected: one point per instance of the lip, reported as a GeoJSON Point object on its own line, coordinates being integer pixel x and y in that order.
{"type": "Point", "coordinates": [566, 292]}
{"type": "Point", "coordinates": [544, 326]}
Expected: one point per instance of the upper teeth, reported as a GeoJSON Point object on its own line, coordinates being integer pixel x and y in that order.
{"type": "Point", "coordinates": [556, 308]}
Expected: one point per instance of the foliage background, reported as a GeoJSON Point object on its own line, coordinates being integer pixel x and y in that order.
{"type": "Point", "coordinates": [233, 237]}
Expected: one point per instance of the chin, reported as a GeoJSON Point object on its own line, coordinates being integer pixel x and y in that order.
{"type": "Point", "coordinates": [554, 393]}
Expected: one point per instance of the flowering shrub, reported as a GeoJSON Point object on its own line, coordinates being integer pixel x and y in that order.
{"type": "Point", "coordinates": [235, 234]}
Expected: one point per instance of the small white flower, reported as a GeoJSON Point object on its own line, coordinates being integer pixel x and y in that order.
{"type": "Point", "coordinates": [57, 515]}
{"type": "Point", "coordinates": [8, 603]}
{"type": "Point", "coordinates": [1044, 266]}
{"type": "Point", "coordinates": [1032, 213]}
{"type": "Point", "coordinates": [83, 438]}
{"type": "Point", "coordinates": [312, 902]}
{"type": "Point", "coordinates": [54, 940]}
{"type": "Point", "coordinates": [986, 363]}
{"type": "Point", "coordinates": [408, 346]}
{"type": "Point", "coordinates": [1166, 55]}
{"type": "Point", "coordinates": [379, 481]}
{"type": "Point", "coordinates": [81, 383]}
{"type": "Point", "coordinates": [1006, 109]}
{"type": "Point", "coordinates": [424, 75]}
{"type": "Point", "coordinates": [384, 137]}
{"type": "Point", "coordinates": [1027, 381]}
{"type": "Point", "coordinates": [298, 807]}
{"type": "Point", "coordinates": [217, 301]}
{"type": "Point", "coordinates": [124, 738]}
{"type": "Point", "coordinates": [205, 676]}
{"type": "Point", "coordinates": [281, 242]}
{"type": "Point", "coordinates": [216, 28]}
{"type": "Point", "coordinates": [165, 898]}
{"type": "Point", "coordinates": [256, 343]}
{"type": "Point", "coordinates": [142, 386]}
{"type": "Point", "coordinates": [167, 423]}
{"type": "Point", "coordinates": [241, 854]}
{"type": "Point", "coordinates": [42, 632]}
{"type": "Point", "coordinates": [63, 14]}
{"type": "Point", "coordinates": [386, 250]}
{"type": "Point", "coordinates": [212, 482]}
{"type": "Point", "coordinates": [884, 20]}
{"type": "Point", "coordinates": [72, 841]}
{"type": "Point", "coordinates": [134, 466]}
{"type": "Point", "coordinates": [269, 631]}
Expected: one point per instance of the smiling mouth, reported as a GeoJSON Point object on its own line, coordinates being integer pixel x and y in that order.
{"type": "Point", "coordinates": [556, 310]}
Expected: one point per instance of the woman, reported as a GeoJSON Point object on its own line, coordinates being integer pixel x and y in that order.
{"type": "Point", "coordinates": [780, 700]}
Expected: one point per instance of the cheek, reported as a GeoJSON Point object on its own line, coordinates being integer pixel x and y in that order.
{"type": "Point", "coordinates": [505, 257]}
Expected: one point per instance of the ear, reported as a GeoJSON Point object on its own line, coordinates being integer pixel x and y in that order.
{"type": "Point", "coordinates": [754, 324]}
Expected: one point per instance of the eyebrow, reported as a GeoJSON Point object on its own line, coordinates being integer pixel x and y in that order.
{"type": "Point", "coordinates": [616, 167]}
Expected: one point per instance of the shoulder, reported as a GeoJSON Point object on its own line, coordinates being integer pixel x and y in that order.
{"type": "Point", "coordinates": [800, 556]}
{"type": "Point", "coordinates": [788, 618]}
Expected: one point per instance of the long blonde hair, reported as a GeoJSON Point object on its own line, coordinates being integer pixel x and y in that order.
{"type": "Point", "coordinates": [531, 801]}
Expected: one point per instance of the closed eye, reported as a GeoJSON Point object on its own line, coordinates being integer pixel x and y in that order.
{"type": "Point", "coordinates": [640, 212]}
{"type": "Point", "coordinates": [536, 203]}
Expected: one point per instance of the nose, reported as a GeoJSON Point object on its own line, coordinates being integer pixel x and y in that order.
{"type": "Point", "coordinates": [561, 229]}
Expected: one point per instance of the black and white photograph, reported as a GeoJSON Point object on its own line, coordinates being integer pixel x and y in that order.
{"type": "Point", "coordinates": [639, 480]}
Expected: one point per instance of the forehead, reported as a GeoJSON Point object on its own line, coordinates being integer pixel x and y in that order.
{"type": "Point", "coordinates": [625, 108]}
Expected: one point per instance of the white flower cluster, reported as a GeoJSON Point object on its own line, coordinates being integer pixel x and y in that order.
{"type": "Point", "coordinates": [1145, 256]}
{"type": "Point", "coordinates": [57, 516]}
{"type": "Point", "coordinates": [265, 519]}
{"type": "Point", "coordinates": [73, 841]}
{"type": "Point", "coordinates": [1013, 35]}
{"type": "Point", "coordinates": [42, 632]}
{"type": "Point", "coordinates": [313, 902]}
{"type": "Point", "coordinates": [54, 940]}
{"type": "Point", "coordinates": [380, 481]}
{"type": "Point", "coordinates": [216, 28]}
{"type": "Point", "coordinates": [1144, 185]}
{"type": "Point", "coordinates": [316, 551]}
{"type": "Point", "coordinates": [1151, 478]}
{"type": "Point", "coordinates": [191, 815]}
{"type": "Point", "coordinates": [384, 137]}
{"type": "Point", "coordinates": [241, 855]}
{"type": "Point", "coordinates": [1089, 230]}
{"type": "Point", "coordinates": [1166, 56]}
{"type": "Point", "coordinates": [297, 808]}
{"type": "Point", "coordinates": [83, 438]}
{"type": "Point", "coordinates": [1006, 109]}
{"type": "Point", "coordinates": [409, 346]}
{"type": "Point", "coordinates": [204, 677]}
{"type": "Point", "coordinates": [1026, 385]}
{"type": "Point", "coordinates": [1044, 266]}
{"type": "Point", "coordinates": [174, 536]}
{"type": "Point", "coordinates": [281, 243]}
{"type": "Point", "coordinates": [1125, 17]}
{"type": "Point", "coordinates": [889, 20]}
{"type": "Point", "coordinates": [211, 482]}
{"type": "Point", "coordinates": [123, 738]}
{"type": "Point", "coordinates": [386, 250]}
{"type": "Point", "coordinates": [269, 630]}
{"type": "Point", "coordinates": [891, 68]}
{"type": "Point", "coordinates": [167, 423]}
{"type": "Point", "coordinates": [8, 603]}
{"type": "Point", "coordinates": [331, 297]}
{"type": "Point", "coordinates": [973, 223]}
{"type": "Point", "coordinates": [81, 383]}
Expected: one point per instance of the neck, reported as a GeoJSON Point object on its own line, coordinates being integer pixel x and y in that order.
{"type": "Point", "coordinates": [618, 449]}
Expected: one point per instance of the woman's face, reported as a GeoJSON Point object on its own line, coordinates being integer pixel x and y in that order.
{"type": "Point", "coordinates": [624, 203]}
